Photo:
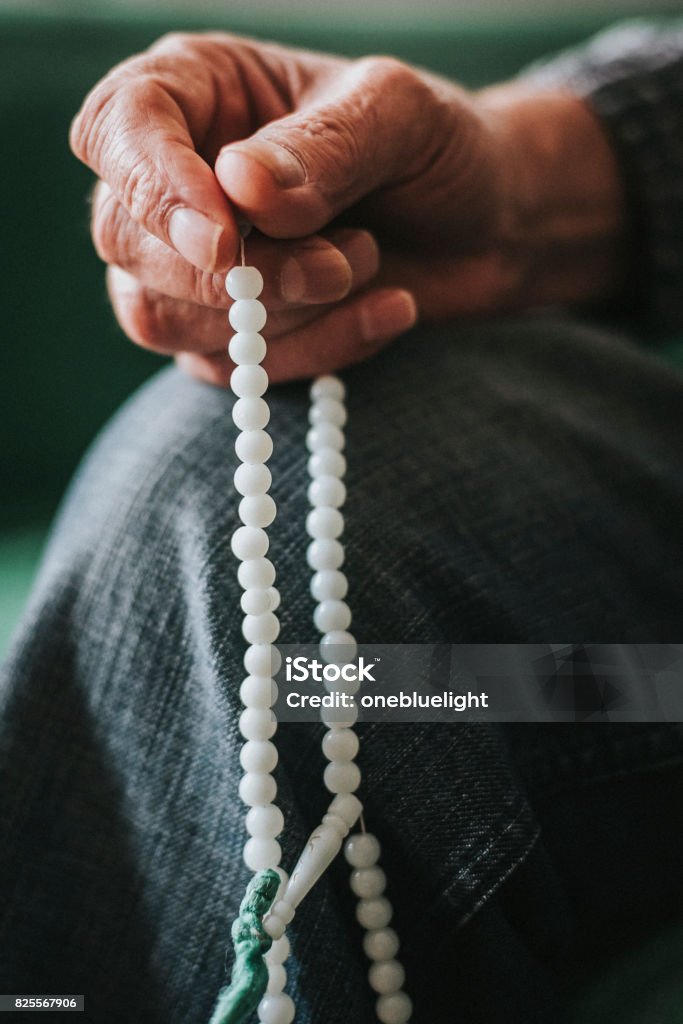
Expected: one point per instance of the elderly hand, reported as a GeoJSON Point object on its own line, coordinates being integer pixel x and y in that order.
{"type": "Point", "coordinates": [377, 190]}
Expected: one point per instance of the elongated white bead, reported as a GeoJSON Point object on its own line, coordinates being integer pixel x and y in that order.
{"type": "Point", "coordinates": [244, 283]}
{"type": "Point", "coordinates": [340, 745]}
{"type": "Point", "coordinates": [324, 435]}
{"type": "Point", "coordinates": [327, 491]}
{"type": "Point", "coordinates": [325, 554]}
{"type": "Point", "coordinates": [257, 510]}
{"type": "Point", "coordinates": [247, 315]}
{"type": "Point", "coordinates": [386, 977]}
{"type": "Point", "coordinates": [342, 777]}
{"type": "Point", "coordinates": [256, 572]}
{"type": "Point", "coordinates": [331, 615]}
{"type": "Point", "coordinates": [248, 381]}
{"type": "Point", "coordinates": [329, 585]}
{"type": "Point", "coordinates": [257, 724]}
{"type": "Point", "coordinates": [381, 944]}
{"type": "Point", "coordinates": [367, 883]}
{"type": "Point", "coordinates": [255, 601]}
{"type": "Point", "coordinates": [394, 1009]}
{"type": "Point", "coordinates": [277, 978]}
{"type": "Point", "coordinates": [276, 1008]}
{"type": "Point", "coordinates": [257, 789]}
{"type": "Point", "coordinates": [258, 692]}
{"type": "Point", "coordinates": [260, 854]}
{"type": "Point", "coordinates": [250, 413]}
{"type": "Point", "coordinates": [258, 756]}
{"type": "Point", "coordinates": [262, 659]}
{"type": "Point", "coordinates": [253, 446]}
{"type": "Point", "coordinates": [249, 543]}
{"type": "Point", "coordinates": [261, 629]}
{"type": "Point", "coordinates": [327, 387]}
{"type": "Point", "coordinates": [327, 410]}
{"type": "Point", "coordinates": [362, 850]}
{"type": "Point", "coordinates": [247, 348]}
{"type": "Point", "coordinates": [252, 479]}
{"type": "Point", "coordinates": [374, 913]}
{"type": "Point", "coordinates": [265, 822]}
{"type": "Point", "coordinates": [324, 523]}
{"type": "Point", "coordinates": [327, 462]}
{"type": "Point", "coordinates": [278, 952]}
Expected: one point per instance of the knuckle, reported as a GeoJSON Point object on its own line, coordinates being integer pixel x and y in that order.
{"type": "Point", "coordinates": [141, 315]}
{"type": "Point", "coordinates": [106, 225]}
{"type": "Point", "coordinates": [381, 73]}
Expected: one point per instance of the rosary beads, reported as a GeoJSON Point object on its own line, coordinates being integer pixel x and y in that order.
{"type": "Point", "coordinates": [260, 627]}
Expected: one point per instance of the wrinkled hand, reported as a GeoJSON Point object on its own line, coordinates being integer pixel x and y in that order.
{"type": "Point", "coordinates": [376, 189]}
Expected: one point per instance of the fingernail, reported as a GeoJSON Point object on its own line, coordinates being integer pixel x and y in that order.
{"type": "Point", "coordinates": [286, 168]}
{"type": "Point", "coordinates": [387, 315]}
{"type": "Point", "coordinates": [316, 275]}
{"type": "Point", "coordinates": [195, 236]}
{"type": "Point", "coordinates": [123, 282]}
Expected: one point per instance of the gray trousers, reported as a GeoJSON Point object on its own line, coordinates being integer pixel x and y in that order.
{"type": "Point", "coordinates": [518, 482]}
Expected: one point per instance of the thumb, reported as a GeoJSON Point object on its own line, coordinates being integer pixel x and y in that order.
{"type": "Point", "coordinates": [368, 128]}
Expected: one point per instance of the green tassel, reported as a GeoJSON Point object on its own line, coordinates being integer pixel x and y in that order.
{"type": "Point", "coordinates": [238, 1000]}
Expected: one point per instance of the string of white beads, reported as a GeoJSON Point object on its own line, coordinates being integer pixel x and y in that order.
{"type": "Point", "coordinates": [374, 913]}
{"type": "Point", "coordinates": [260, 626]}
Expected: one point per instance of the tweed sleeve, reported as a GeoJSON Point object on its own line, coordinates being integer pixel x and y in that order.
{"type": "Point", "coordinates": [632, 78]}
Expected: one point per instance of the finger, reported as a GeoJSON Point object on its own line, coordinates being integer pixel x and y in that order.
{"type": "Point", "coordinates": [318, 269]}
{"type": "Point", "coordinates": [298, 172]}
{"type": "Point", "coordinates": [136, 130]}
{"type": "Point", "coordinates": [348, 334]}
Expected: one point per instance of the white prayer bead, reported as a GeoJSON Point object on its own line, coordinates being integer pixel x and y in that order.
{"type": "Point", "coordinates": [325, 435]}
{"type": "Point", "coordinates": [277, 978]}
{"type": "Point", "coordinates": [339, 718]}
{"type": "Point", "coordinates": [387, 977]}
{"type": "Point", "coordinates": [326, 462]}
{"type": "Point", "coordinates": [258, 756]}
{"type": "Point", "coordinates": [327, 410]}
{"type": "Point", "coordinates": [255, 601]}
{"type": "Point", "coordinates": [248, 381]}
{"type": "Point", "coordinates": [331, 615]}
{"type": "Point", "coordinates": [327, 387]}
{"type": "Point", "coordinates": [394, 1009]}
{"type": "Point", "coordinates": [329, 585]}
{"type": "Point", "coordinates": [257, 789]}
{"type": "Point", "coordinates": [250, 413]}
{"type": "Point", "coordinates": [253, 446]}
{"type": "Point", "coordinates": [257, 724]}
{"type": "Point", "coordinates": [381, 944]}
{"type": "Point", "coordinates": [325, 554]}
{"type": "Point", "coordinates": [247, 348]}
{"type": "Point", "coordinates": [260, 629]}
{"type": "Point", "coordinates": [265, 822]}
{"type": "Point", "coordinates": [257, 510]}
{"type": "Point", "coordinates": [256, 572]}
{"type": "Point", "coordinates": [274, 597]}
{"type": "Point", "coordinates": [367, 883]}
{"type": "Point", "coordinates": [326, 491]}
{"type": "Point", "coordinates": [375, 913]}
{"type": "Point", "coordinates": [276, 1008]}
{"type": "Point", "coordinates": [244, 283]}
{"type": "Point", "coordinates": [249, 542]}
{"type": "Point", "coordinates": [252, 479]}
{"type": "Point", "coordinates": [247, 315]}
{"type": "Point", "coordinates": [278, 952]}
{"type": "Point", "coordinates": [258, 692]}
{"type": "Point", "coordinates": [362, 850]}
{"type": "Point", "coordinates": [262, 660]}
{"type": "Point", "coordinates": [324, 523]}
{"type": "Point", "coordinates": [260, 854]}
{"type": "Point", "coordinates": [340, 745]}
{"type": "Point", "coordinates": [342, 777]}
{"type": "Point", "coordinates": [338, 647]}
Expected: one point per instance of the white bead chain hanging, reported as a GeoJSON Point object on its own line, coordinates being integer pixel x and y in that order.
{"type": "Point", "coordinates": [258, 692]}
